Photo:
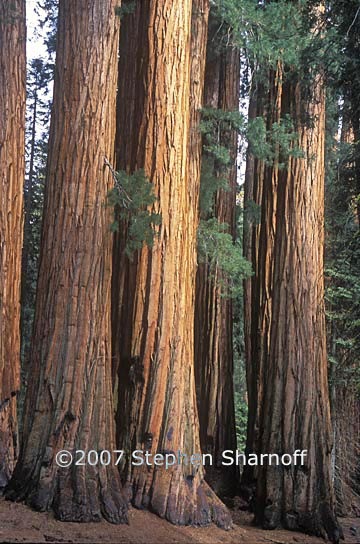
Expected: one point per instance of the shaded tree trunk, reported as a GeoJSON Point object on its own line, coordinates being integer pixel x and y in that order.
{"type": "Point", "coordinates": [69, 400]}
{"type": "Point", "coordinates": [133, 62]}
{"type": "Point", "coordinates": [213, 307]}
{"type": "Point", "coordinates": [156, 370]}
{"type": "Point", "coordinates": [296, 411]}
{"type": "Point", "coordinates": [260, 208]}
{"type": "Point", "coordinates": [12, 170]}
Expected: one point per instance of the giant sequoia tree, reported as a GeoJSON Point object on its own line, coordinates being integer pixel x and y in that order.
{"type": "Point", "coordinates": [12, 166]}
{"type": "Point", "coordinates": [296, 412]}
{"type": "Point", "coordinates": [159, 364]}
{"type": "Point", "coordinates": [292, 370]}
{"type": "Point", "coordinates": [213, 309]}
{"type": "Point", "coordinates": [286, 345]}
{"type": "Point", "coordinates": [260, 191]}
{"type": "Point", "coordinates": [69, 400]}
{"type": "Point", "coordinates": [133, 54]}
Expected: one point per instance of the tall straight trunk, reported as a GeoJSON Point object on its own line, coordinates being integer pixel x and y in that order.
{"type": "Point", "coordinates": [133, 58]}
{"type": "Point", "coordinates": [199, 31]}
{"type": "Point", "coordinates": [260, 189]}
{"type": "Point", "coordinates": [296, 412]}
{"type": "Point", "coordinates": [12, 171]}
{"type": "Point", "coordinates": [69, 400]}
{"type": "Point", "coordinates": [213, 307]}
{"type": "Point", "coordinates": [160, 405]}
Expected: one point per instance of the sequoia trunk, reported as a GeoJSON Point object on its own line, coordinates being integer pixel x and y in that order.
{"type": "Point", "coordinates": [12, 170]}
{"type": "Point", "coordinates": [261, 181]}
{"type": "Point", "coordinates": [160, 405]}
{"type": "Point", "coordinates": [69, 401]}
{"type": "Point", "coordinates": [213, 307]}
{"type": "Point", "coordinates": [296, 411]}
{"type": "Point", "coordinates": [133, 61]}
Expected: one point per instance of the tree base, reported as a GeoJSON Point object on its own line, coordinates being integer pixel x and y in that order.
{"type": "Point", "coordinates": [180, 500]}
{"type": "Point", "coordinates": [224, 483]}
{"type": "Point", "coordinates": [321, 523]}
{"type": "Point", "coordinates": [72, 497]}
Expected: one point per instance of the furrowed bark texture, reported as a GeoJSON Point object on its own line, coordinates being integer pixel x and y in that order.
{"type": "Point", "coordinates": [213, 307]}
{"type": "Point", "coordinates": [296, 411]}
{"type": "Point", "coordinates": [161, 404]}
{"type": "Point", "coordinates": [12, 170]}
{"type": "Point", "coordinates": [199, 31]}
{"type": "Point", "coordinates": [133, 62]}
{"type": "Point", "coordinates": [261, 181]}
{"type": "Point", "coordinates": [69, 400]}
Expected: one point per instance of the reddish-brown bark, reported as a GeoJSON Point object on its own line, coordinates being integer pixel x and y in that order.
{"type": "Point", "coordinates": [296, 412]}
{"type": "Point", "coordinates": [69, 401]}
{"type": "Point", "coordinates": [12, 169]}
{"type": "Point", "coordinates": [260, 190]}
{"type": "Point", "coordinates": [213, 307]}
{"type": "Point", "coordinates": [156, 369]}
{"type": "Point", "coordinates": [133, 60]}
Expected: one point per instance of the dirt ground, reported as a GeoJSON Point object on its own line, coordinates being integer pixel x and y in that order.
{"type": "Point", "coordinates": [18, 523]}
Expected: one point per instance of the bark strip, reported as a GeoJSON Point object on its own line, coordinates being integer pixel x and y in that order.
{"type": "Point", "coordinates": [12, 172]}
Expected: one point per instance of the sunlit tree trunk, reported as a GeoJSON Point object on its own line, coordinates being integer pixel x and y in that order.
{"type": "Point", "coordinates": [69, 401]}
{"type": "Point", "coordinates": [159, 363]}
{"type": "Point", "coordinates": [296, 411]}
{"type": "Point", "coordinates": [214, 314]}
{"type": "Point", "coordinates": [12, 170]}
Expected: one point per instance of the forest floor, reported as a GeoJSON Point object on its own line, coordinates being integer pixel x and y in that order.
{"type": "Point", "coordinates": [18, 523]}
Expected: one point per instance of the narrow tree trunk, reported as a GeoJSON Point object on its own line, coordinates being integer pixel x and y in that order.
{"type": "Point", "coordinates": [69, 400]}
{"type": "Point", "coordinates": [161, 404]}
{"type": "Point", "coordinates": [214, 315]}
{"type": "Point", "coordinates": [296, 411]}
{"type": "Point", "coordinates": [12, 170]}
